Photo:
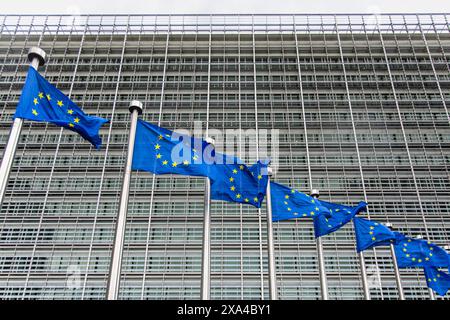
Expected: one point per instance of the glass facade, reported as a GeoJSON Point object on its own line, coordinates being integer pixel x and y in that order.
{"type": "Point", "coordinates": [361, 103]}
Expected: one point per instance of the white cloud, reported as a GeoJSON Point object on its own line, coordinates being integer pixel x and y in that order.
{"type": "Point", "coordinates": [228, 6]}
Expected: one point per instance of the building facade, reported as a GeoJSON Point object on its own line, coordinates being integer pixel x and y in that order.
{"type": "Point", "coordinates": [361, 103]}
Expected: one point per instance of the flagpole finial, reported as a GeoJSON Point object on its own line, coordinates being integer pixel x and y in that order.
{"type": "Point", "coordinates": [210, 140]}
{"type": "Point", "coordinates": [315, 193]}
{"type": "Point", "coordinates": [447, 247]}
{"type": "Point", "coordinates": [390, 226]}
{"type": "Point", "coordinates": [136, 105]}
{"type": "Point", "coordinates": [419, 236]}
{"type": "Point", "coordinates": [37, 53]}
{"type": "Point", "coordinates": [269, 171]}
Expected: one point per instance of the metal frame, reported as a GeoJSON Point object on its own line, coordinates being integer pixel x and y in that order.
{"type": "Point", "coordinates": [111, 59]}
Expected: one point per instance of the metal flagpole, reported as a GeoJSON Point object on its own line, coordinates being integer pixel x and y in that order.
{"type": "Point", "coordinates": [206, 248]}
{"type": "Point", "coordinates": [398, 279]}
{"type": "Point", "coordinates": [116, 259]}
{"type": "Point", "coordinates": [364, 276]}
{"type": "Point", "coordinates": [273, 294]}
{"type": "Point", "coordinates": [322, 274]}
{"type": "Point", "coordinates": [36, 56]}
{"type": "Point", "coordinates": [205, 284]}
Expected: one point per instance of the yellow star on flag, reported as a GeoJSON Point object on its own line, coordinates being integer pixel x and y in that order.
{"type": "Point", "coordinates": [34, 112]}
{"type": "Point", "coordinates": [70, 111]}
{"type": "Point", "coordinates": [60, 103]}
{"type": "Point", "coordinates": [48, 97]}
{"type": "Point", "coordinates": [76, 120]}
{"type": "Point", "coordinates": [158, 156]}
{"type": "Point", "coordinates": [157, 147]}
{"type": "Point", "coordinates": [165, 162]}
{"type": "Point", "coordinates": [174, 164]}
{"type": "Point", "coordinates": [35, 100]}
{"type": "Point", "coordinates": [41, 95]}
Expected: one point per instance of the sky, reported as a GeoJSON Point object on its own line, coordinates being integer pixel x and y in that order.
{"type": "Point", "coordinates": [75, 7]}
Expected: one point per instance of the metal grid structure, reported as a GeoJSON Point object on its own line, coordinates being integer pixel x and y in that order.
{"type": "Point", "coordinates": [361, 102]}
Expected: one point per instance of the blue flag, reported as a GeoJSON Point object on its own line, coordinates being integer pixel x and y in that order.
{"type": "Point", "coordinates": [291, 204]}
{"type": "Point", "coordinates": [437, 280]}
{"type": "Point", "coordinates": [371, 234]}
{"type": "Point", "coordinates": [338, 217]}
{"type": "Point", "coordinates": [239, 183]}
{"type": "Point", "coordinates": [41, 101]}
{"type": "Point", "coordinates": [162, 151]}
{"type": "Point", "coordinates": [419, 253]}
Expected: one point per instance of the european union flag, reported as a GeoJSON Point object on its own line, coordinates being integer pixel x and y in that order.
{"type": "Point", "coordinates": [437, 280]}
{"type": "Point", "coordinates": [371, 234]}
{"type": "Point", "coordinates": [291, 204]}
{"type": "Point", "coordinates": [41, 101]}
{"type": "Point", "coordinates": [239, 183]}
{"type": "Point", "coordinates": [338, 217]}
{"type": "Point", "coordinates": [419, 253]}
{"type": "Point", "coordinates": [162, 151]}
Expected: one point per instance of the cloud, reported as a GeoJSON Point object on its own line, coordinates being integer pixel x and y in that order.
{"type": "Point", "coordinates": [215, 7]}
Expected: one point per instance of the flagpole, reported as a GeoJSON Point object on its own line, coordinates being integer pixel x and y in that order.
{"type": "Point", "coordinates": [365, 284]}
{"type": "Point", "coordinates": [36, 56]}
{"type": "Point", "coordinates": [116, 258]}
{"type": "Point", "coordinates": [205, 289]}
{"type": "Point", "coordinates": [273, 294]}
{"type": "Point", "coordinates": [322, 274]}
{"type": "Point", "coordinates": [398, 279]}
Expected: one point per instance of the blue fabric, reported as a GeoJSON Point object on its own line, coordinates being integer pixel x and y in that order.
{"type": "Point", "coordinates": [288, 203]}
{"type": "Point", "coordinates": [41, 101]}
{"type": "Point", "coordinates": [162, 151]}
{"type": "Point", "coordinates": [437, 280]}
{"type": "Point", "coordinates": [371, 234]}
{"type": "Point", "coordinates": [338, 217]}
{"type": "Point", "coordinates": [239, 183]}
{"type": "Point", "coordinates": [419, 253]}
